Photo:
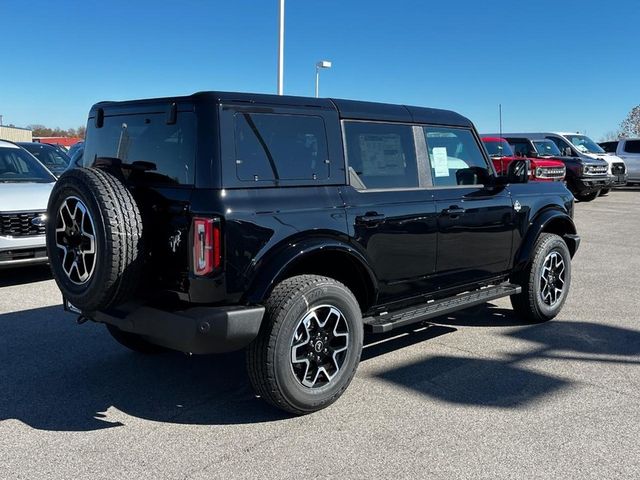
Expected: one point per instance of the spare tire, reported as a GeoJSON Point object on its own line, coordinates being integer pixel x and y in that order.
{"type": "Point", "coordinates": [94, 239]}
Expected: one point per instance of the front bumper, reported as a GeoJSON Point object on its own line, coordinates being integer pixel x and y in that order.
{"type": "Point", "coordinates": [200, 330]}
{"type": "Point", "coordinates": [19, 251]}
{"type": "Point", "coordinates": [591, 184]}
{"type": "Point", "coordinates": [618, 180]}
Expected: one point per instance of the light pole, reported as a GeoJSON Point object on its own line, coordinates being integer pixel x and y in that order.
{"type": "Point", "coordinates": [319, 65]}
{"type": "Point", "coordinates": [281, 49]}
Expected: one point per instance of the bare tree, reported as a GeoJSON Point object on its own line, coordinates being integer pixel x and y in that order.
{"type": "Point", "coordinates": [610, 136]}
{"type": "Point", "coordinates": [630, 127]}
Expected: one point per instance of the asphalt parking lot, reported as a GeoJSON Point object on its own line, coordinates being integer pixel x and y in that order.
{"type": "Point", "coordinates": [477, 395]}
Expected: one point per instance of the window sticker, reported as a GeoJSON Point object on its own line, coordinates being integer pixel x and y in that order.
{"type": "Point", "coordinates": [440, 162]}
{"type": "Point", "coordinates": [382, 155]}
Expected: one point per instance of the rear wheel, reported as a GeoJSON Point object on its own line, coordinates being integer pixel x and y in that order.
{"type": "Point", "coordinates": [587, 197]}
{"type": "Point", "coordinates": [545, 281]}
{"type": "Point", "coordinates": [309, 344]}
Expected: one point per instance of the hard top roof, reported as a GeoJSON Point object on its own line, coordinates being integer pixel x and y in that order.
{"type": "Point", "coordinates": [530, 136]}
{"type": "Point", "coordinates": [8, 144]}
{"type": "Point", "coordinates": [351, 109]}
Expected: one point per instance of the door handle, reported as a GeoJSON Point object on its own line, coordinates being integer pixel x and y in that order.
{"type": "Point", "coordinates": [453, 211]}
{"type": "Point", "coordinates": [370, 218]}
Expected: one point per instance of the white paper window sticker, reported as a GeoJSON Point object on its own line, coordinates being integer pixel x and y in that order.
{"type": "Point", "coordinates": [440, 162]}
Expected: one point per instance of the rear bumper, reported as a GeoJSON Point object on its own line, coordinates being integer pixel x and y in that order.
{"type": "Point", "coordinates": [199, 330]}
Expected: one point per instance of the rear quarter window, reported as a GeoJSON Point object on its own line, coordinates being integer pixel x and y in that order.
{"type": "Point", "coordinates": [271, 147]}
{"type": "Point", "coordinates": [632, 146]}
{"type": "Point", "coordinates": [169, 148]}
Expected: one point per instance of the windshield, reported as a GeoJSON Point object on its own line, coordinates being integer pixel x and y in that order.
{"type": "Point", "coordinates": [16, 165]}
{"type": "Point", "coordinates": [584, 144]}
{"type": "Point", "coordinates": [546, 148]}
{"type": "Point", "coordinates": [50, 156]}
{"type": "Point", "coordinates": [498, 148]}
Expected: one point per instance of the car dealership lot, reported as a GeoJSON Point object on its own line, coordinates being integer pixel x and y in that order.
{"type": "Point", "coordinates": [478, 395]}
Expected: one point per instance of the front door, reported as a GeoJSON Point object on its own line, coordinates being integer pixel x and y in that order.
{"type": "Point", "coordinates": [390, 212]}
{"type": "Point", "coordinates": [475, 220]}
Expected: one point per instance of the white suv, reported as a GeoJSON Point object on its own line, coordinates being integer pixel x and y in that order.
{"type": "Point", "coordinates": [25, 185]}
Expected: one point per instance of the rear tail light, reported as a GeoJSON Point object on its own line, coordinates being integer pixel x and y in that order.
{"type": "Point", "coordinates": [207, 255]}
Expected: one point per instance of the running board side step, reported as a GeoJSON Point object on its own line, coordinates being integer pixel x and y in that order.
{"type": "Point", "coordinates": [435, 308]}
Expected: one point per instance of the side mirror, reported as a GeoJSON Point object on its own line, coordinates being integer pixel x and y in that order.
{"type": "Point", "coordinates": [518, 171]}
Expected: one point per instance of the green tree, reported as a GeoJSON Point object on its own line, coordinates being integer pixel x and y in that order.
{"type": "Point", "coordinates": [42, 131]}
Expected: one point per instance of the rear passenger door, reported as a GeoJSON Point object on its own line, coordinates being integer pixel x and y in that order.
{"type": "Point", "coordinates": [475, 219]}
{"type": "Point", "coordinates": [390, 211]}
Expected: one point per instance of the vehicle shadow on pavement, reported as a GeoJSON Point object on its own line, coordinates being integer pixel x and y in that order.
{"type": "Point", "coordinates": [506, 383]}
{"type": "Point", "coordinates": [24, 275]}
{"type": "Point", "coordinates": [56, 375]}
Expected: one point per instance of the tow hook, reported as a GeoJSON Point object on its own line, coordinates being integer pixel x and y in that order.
{"type": "Point", "coordinates": [82, 319]}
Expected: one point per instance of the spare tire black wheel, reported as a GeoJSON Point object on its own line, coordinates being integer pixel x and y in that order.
{"type": "Point", "coordinates": [94, 239]}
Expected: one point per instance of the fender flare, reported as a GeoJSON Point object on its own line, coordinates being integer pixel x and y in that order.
{"type": "Point", "coordinates": [552, 221]}
{"type": "Point", "coordinates": [271, 269]}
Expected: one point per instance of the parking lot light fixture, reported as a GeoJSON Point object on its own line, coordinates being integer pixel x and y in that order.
{"type": "Point", "coordinates": [319, 65]}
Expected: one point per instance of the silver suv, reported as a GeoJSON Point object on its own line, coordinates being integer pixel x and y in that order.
{"type": "Point", "coordinates": [629, 150]}
{"type": "Point", "coordinates": [25, 185]}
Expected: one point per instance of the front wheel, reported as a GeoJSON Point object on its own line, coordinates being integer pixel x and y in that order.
{"type": "Point", "coordinates": [545, 281]}
{"type": "Point", "coordinates": [309, 344]}
{"type": "Point", "coordinates": [604, 191]}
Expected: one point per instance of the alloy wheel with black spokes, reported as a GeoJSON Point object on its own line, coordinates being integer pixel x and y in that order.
{"type": "Point", "coordinates": [552, 278]}
{"type": "Point", "coordinates": [318, 346]}
{"type": "Point", "coordinates": [309, 344]}
{"type": "Point", "coordinates": [76, 240]}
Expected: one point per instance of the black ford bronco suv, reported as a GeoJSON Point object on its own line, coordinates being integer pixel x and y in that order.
{"type": "Point", "coordinates": [288, 225]}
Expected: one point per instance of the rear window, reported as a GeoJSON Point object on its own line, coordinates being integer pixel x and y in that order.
{"type": "Point", "coordinates": [168, 149]}
{"type": "Point", "coordinates": [632, 146]}
{"type": "Point", "coordinates": [272, 147]}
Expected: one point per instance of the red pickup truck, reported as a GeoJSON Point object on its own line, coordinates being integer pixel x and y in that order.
{"type": "Point", "coordinates": [542, 170]}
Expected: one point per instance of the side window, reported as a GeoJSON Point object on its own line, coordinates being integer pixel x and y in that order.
{"type": "Point", "coordinates": [455, 157]}
{"type": "Point", "coordinates": [609, 147]}
{"type": "Point", "coordinates": [564, 146]}
{"type": "Point", "coordinates": [632, 146]}
{"type": "Point", "coordinates": [381, 155]}
{"type": "Point", "coordinates": [280, 147]}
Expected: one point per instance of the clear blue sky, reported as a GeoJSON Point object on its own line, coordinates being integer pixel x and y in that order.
{"type": "Point", "coordinates": [563, 64]}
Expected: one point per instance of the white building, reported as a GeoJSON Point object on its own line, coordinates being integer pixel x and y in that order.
{"type": "Point", "coordinates": [15, 134]}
